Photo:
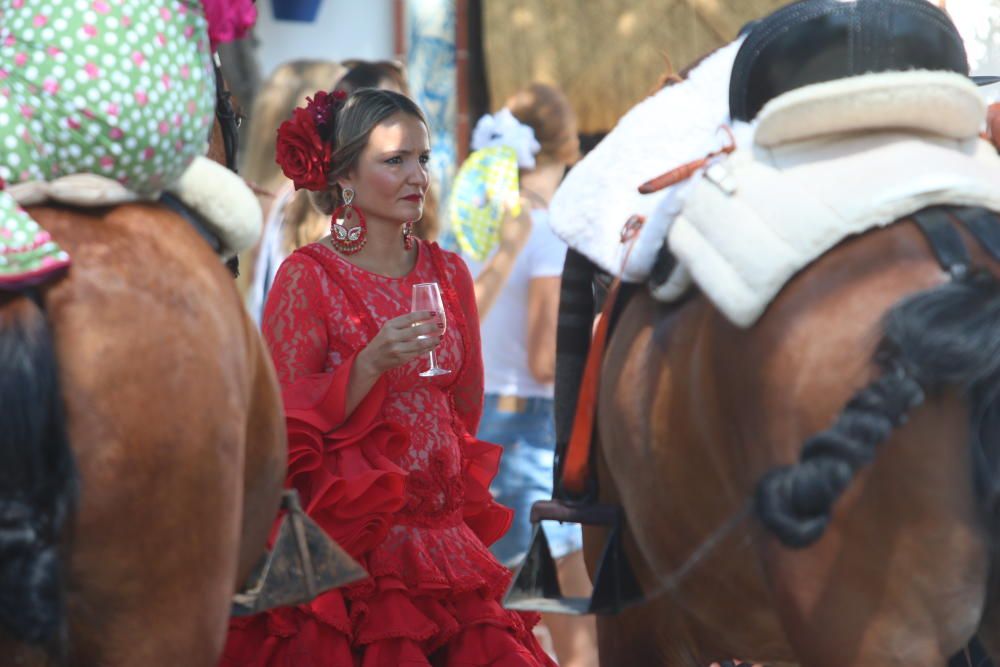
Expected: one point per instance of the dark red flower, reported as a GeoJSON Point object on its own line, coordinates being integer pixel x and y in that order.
{"type": "Point", "coordinates": [300, 152]}
{"type": "Point", "coordinates": [323, 109]}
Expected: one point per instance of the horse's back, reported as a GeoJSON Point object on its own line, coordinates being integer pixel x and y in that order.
{"type": "Point", "coordinates": [169, 398]}
{"type": "Point", "coordinates": [709, 408]}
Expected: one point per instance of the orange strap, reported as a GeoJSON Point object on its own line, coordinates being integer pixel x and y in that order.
{"type": "Point", "coordinates": [576, 462]}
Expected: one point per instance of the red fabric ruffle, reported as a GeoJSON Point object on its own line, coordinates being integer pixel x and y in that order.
{"type": "Point", "coordinates": [390, 629]}
{"type": "Point", "coordinates": [342, 468]}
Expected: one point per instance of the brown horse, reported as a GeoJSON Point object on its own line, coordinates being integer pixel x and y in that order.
{"type": "Point", "coordinates": [142, 447]}
{"type": "Point", "coordinates": [694, 412]}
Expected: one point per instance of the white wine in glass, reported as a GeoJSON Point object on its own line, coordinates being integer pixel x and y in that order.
{"type": "Point", "coordinates": [427, 296]}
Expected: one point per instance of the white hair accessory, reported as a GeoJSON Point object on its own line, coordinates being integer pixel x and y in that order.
{"type": "Point", "coordinates": [503, 129]}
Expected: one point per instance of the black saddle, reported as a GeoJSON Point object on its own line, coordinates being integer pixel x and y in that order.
{"type": "Point", "coordinates": [813, 41]}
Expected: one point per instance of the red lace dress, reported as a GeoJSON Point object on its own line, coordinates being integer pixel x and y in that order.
{"type": "Point", "coordinates": [400, 483]}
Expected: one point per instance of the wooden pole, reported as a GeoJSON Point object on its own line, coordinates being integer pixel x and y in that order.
{"type": "Point", "coordinates": [462, 128]}
{"type": "Point", "coordinates": [399, 30]}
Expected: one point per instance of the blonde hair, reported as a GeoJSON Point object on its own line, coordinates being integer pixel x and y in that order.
{"type": "Point", "coordinates": [356, 119]}
{"type": "Point", "coordinates": [547, 111]}
{"type": "Point", "coordinates": [286, 88]}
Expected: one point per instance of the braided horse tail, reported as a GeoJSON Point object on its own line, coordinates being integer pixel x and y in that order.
{"type": "Point", "coordinates": [948, 336]}
{"type": "Point", "coordinates": [38, 478]}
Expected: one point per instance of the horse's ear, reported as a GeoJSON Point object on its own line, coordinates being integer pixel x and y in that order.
{"type": "Point", "coordinates": [993, 124]}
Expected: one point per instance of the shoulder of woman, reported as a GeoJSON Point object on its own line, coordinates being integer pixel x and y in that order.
{"type": "Point", "coordinates": [453, 262]}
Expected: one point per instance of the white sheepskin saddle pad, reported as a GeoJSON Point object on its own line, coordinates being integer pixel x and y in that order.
{"type": "Point", "coordinates": [827, 162]}
{"type": "Point", "coordinates": [680, 123]}
{"type": "Point", "coordinates": [222, 199]}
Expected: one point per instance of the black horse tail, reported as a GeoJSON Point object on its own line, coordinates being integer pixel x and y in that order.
{"type": "Point", "coordinates": [38, 477]}
{"type": "Point", "coordinates": [948, 336]}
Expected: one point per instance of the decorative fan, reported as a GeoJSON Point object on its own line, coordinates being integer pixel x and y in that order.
{"type": "Point", "coordinates": [483, 192]}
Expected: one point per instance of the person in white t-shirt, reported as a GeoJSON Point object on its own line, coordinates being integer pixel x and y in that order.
{"type": "Point", "coordinates": [517, 293]}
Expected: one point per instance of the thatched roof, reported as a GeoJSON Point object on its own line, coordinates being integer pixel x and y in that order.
{"type": "Point", "coordinates": [605, 54]}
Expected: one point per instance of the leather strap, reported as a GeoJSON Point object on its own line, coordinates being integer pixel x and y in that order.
{"type": "Point", "coordinates": [982, 224]}
{"type": "Point", "coordinates": [576, 462]}
{"type": "Point", "coordinates": [945, 241]}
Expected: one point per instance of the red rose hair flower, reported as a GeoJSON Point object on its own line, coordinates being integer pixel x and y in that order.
{"type": "Point", "coordinates": [301, 150]}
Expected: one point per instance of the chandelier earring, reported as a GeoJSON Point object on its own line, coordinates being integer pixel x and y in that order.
{"type": "Point", "coordinates": [408, 234]}
{"type": "Point", "coordinates": [348, 240]}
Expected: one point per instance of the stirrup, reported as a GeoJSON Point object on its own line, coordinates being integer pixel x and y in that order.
{"type": "Point", "coordinates": [303, 563]}
{"type": "Point", "coordinates": [536, 586]}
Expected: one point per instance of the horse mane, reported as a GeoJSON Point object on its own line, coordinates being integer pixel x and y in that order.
{"type": "Point", "coordinates": [38, 478]}
{"type": "Point", "coordinates": [934, 340]}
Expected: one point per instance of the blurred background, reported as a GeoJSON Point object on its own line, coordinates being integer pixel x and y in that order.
{"type": "Point", "coordinates": [463, 58]}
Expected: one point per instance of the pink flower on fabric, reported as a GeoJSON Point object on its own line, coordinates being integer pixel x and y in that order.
{"type": "Point", "coordinates": [107, 162]}
{"type": "Point", "coordinates": [138, 58]}
{"type": "Point", "coordinates": [116, 133]}
{"type": "Point", "coordinates": [161, 39]}
{"type": "Point", "coordinates": [27, 111]}
{"type": "Point", "coordinates": [3, 74]}
{"type": "Point", "coordinates": [148, 154]}
{"type": "Point", "coordinates": [6, 233]}
{"type": "Point", "coordinates": [127, 21]}
{"type": "Point", "coordinates": [188, 31]}
{"type": "Point", "coordinates": [164, 127]}
{"type": "Point", "coordinates": [141, 98]}
{"type": "Point", "coordinates": [9, 40]}
{"type": "Point", "coordinates": [88, 114]}
{"type": "Point", "coordinates": [165, 14]}
{"type": "Point", "coordinates": [20, 59]}
{"type": "Point", "coordinates": [166, 81]}
{"type": "Point", "coordinates": [40, 20]}
{"type": "Point", "coordinates": [17, 4]}
{"type": "Point", "coordinates": [51, 86]}
{"type": "Point", "coordinates": [92, 71]}
{"type": "Point", "coordinates": [90, 30]}
{"type": "Point", "coordinates": [73, 123]}
{"type": "Point", "coordinates": [228, 19]}
{"type": "Point", "coordinates": [185, 72]}
{"type": "Point", "coordinates": [113, 109]}
{"type": "Point", "coordinates": [101, 7]}
{"type": "Point", "coordinates": [53, 50]}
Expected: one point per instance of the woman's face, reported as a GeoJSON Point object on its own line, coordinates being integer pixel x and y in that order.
{"type": "Point", "coordinates": [391, 178]}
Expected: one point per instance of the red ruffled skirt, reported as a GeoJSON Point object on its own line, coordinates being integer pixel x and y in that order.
{"type": "Point", "coordinates": [433, 599]}
{"type": "Point", "coordinates": [434, 591]}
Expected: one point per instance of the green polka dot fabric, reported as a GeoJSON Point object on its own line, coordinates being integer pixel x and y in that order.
{"type": "Point", "coordinates": [120, 88]}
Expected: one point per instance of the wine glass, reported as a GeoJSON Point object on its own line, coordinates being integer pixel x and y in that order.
{"type": "Point", "coordinates": [427, 296]}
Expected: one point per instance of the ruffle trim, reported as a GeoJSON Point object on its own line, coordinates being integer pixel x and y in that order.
{"type": "Point", "coordinates": [391, 628]}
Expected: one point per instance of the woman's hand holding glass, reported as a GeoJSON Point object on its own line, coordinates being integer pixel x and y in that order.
{"type": "Point", "coordinates": [427, 297]}
{"type": "Point", "coordinates": [401, 340]}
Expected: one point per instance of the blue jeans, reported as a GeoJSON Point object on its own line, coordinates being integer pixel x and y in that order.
{"type": "Point", "coordinates": [528, 439]}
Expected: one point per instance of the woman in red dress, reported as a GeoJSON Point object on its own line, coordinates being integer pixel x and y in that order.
{"type": "Point", "coordinates": [383, 459]}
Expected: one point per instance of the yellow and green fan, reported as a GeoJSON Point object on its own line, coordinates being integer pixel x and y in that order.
{"type": "Point", "coordinates": [483, 192]}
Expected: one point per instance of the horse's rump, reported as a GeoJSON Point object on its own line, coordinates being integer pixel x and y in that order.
{"type": "Point", "coordinates": [174, 417]}
{"type": "Point", "coordinates": [695, 411]}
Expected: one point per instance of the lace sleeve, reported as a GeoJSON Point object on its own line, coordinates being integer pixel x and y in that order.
{"type": "Point", "coordinates": [468, 390]}
{"type": "Point", "coordinates": [293, 324]}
